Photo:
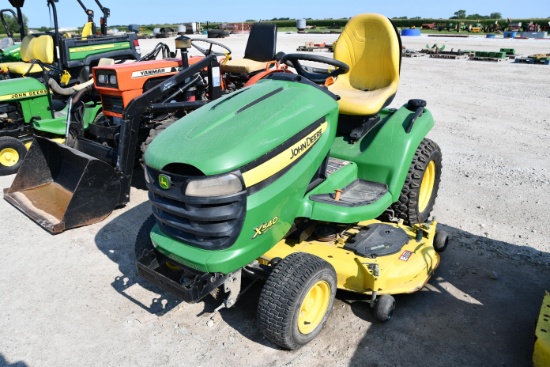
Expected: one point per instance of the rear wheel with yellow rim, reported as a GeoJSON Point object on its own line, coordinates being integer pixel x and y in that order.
{"type": "Point", "coordinates": [296, 300]}
{"type": "Point", "coordinates": [419, 192]}
{"type": "Point", "coordinates": [12, 152]}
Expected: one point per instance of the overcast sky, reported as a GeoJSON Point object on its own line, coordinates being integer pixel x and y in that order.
{"type": "Point", "coordinates": [124, 12]}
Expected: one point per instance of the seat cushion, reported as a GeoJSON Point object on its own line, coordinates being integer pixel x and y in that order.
{"type": "Point", "coordinates": [243, 66]}
{"type": "Point", "coordinates": [356, 102]}
{"type": "Point", "coordinates": [22, 68]}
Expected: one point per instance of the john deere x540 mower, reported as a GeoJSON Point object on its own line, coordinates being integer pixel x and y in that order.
{"type": "Point", "coordinates": [308, 187]}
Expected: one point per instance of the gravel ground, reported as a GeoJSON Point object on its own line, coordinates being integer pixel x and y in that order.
{"type": "Point", "coordinates": [75, 298]}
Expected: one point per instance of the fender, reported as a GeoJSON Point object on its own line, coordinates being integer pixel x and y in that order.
{"type": "Point", "coordinates": [384, 155]}
{"type": "Point", "coordinates": [58, 125]}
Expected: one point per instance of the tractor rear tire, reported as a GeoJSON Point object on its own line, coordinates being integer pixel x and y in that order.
{"type": "Point", "coordinates": [154, 132]}
{"type": "Point", "coordinates": [296, 300]}
{"type": "Point", "coordinates": [12, 152]}
{"type": "Point", "coordinates": [418, 195]}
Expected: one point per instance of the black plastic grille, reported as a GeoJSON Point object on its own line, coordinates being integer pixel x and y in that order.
{"type": "Point", "coordinates": [112, 103]}
{"type": "Point", "coordinates": [212, 223]}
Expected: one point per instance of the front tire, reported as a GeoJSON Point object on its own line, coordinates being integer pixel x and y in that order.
{"type": "Point", "coordinates": [296, 300]}
{"type": "Point", "coordinates": [12, 152]}
{"type": "Point", "coordinates": [419, 192]}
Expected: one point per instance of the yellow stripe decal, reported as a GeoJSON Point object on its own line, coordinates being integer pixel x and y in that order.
{"type": "Point", "coordinates": [283, 159]}
{"type": "Point", "coordinates": [34, 93]}
{"type": "Point", "coordinates": [91, 48]}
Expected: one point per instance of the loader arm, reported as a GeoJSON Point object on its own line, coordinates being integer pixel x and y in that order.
{"type": "Point", "coordinates": [138, 106]}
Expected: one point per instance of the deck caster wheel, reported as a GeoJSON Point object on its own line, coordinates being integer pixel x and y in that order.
{"type": "Point", "coordinates": [441, 240]}
{"type": "Point", "coordinates": [12, 152]}
{"type": "Point", "coordinates": [296, 300]}
{"type": "Point", "coordinates": [383, 309]}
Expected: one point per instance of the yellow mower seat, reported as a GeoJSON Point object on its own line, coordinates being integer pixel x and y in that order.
{"type": "Point", "coordinates": [22, 50]}
{"type": "Point", "coordinates": [87, 30]}
{"type": "Point", "coordinates": [260, 49]}
{"type": "Point", "coordinates": [32, 48]}
{"type": "Point", "coordinates": [371, 47]}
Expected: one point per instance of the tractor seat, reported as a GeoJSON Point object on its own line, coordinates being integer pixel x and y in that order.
{"type": "Point", "coordinates": [260, 49]}
{"type": "Point", "coordinates": [32, 48]}
{"type": "Point", "coordinates": [371, 46]}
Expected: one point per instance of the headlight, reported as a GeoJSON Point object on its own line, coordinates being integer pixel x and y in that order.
{"type": "Point", "coordinates": [218, 186]}
{"type": "Point", "coordinates": [102, 78]}
{"type": "Point", "coordinates": [112, 79]}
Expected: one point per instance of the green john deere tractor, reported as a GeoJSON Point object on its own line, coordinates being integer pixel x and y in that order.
{"type": "Point", "coordinates": [39, 104]}
{"type": "Point", "coordinates": [311, 188]}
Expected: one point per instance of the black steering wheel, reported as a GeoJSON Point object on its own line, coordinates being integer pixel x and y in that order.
{"type": "Point", "coordinates": [208, 50]}
{"type": "Point", "coordinates": [316, 75]}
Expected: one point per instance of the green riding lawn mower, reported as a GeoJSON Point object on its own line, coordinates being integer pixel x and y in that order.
{"type": "Point", "coordinates": [38, 105]}
{"type": "Point", "coordinates": [307, 187]}
{"type": "Point", "coordinates": [306, 181]}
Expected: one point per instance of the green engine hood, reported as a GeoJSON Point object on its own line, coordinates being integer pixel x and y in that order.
{"type": "Point", "coordinates": [241, 127]}
{"type": "Point", "coordinates": [21, 88]}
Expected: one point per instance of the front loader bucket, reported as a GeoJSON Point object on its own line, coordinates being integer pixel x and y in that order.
{"type": "Point", "coordinates": [61, 188]}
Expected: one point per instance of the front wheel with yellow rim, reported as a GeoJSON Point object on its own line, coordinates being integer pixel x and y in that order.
{"type": "Point", "coordinates": [419, 192]}
{"type": "Point", "coordinates": [12, 152]}
{"type": "Point", "coordinates": [296, 300]}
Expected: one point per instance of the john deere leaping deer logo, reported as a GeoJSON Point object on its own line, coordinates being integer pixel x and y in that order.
{"type": "Point", "coordinates": [165, 181]}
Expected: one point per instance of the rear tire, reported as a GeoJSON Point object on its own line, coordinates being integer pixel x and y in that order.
{"type": "Point", "coordinates": [296, 300]}
{"type": "Point", "coordinates": [418, 195]}
{"type": "Point", "coordinates": [12, 152]}
{"type": "Point", "coordinates": [153, 133]}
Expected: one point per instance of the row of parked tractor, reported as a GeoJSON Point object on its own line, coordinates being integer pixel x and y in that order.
{"type": "Point", "coordinates": [258, 168]}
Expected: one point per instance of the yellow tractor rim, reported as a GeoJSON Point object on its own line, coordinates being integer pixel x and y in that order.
{"type": "Point", "coordinates": [426, 187]}
{"type": "Point", "coordinates": [314, 307]}
{"type": "Point", "coordinates": [9, 157]}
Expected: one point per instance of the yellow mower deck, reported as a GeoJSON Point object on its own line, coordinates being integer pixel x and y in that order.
{"type": "Point", "coordinates": [405, 271]}
{"type": "Point", "coordinates": [541, 354]}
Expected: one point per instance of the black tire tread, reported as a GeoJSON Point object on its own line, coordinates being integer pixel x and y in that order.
{"type": "Point", "coordinates": [384, 307]}
{"type": "Point", "coordinates": [153, 133]}
{"type": "Point", "coordinates": [11, 142]}
{"type": "Point", "coordinates": [143, 240]}
{"type": "Point", "coordinates": [281, 295]}
{"type": "Point", "coordinates": [406, 207]}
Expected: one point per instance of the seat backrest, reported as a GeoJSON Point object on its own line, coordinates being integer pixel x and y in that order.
{"type": "Point", "coordinates": [25, 42]}
{"type": "Point", "coordinates": [371, 46]}
{"type": "Point", "coordinates": [262, 42]}
{"type": "Point", "coordinates": [39, 48]}
{"type": "Point", "coordinates": [87, 30]}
